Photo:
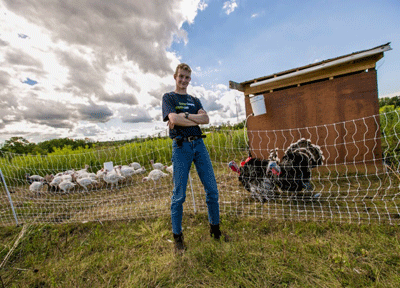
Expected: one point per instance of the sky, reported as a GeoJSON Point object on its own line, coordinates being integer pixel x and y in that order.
{"type": "Point", "coordinates": [98, 69]}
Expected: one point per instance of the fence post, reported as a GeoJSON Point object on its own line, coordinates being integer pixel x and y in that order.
{"type": "Point", "coordinates": [9, 196]}
{"type": "Point", "coordinates": [191, 187]}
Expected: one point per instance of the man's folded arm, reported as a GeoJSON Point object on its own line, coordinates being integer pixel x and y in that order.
{"type": "Point", "coordinates": [179, 120]}
{"type": "Point", "coordinates": [194, 119]}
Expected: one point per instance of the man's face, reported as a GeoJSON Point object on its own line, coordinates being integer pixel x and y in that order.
{"type": "Point", "coordinates": [182, 79]}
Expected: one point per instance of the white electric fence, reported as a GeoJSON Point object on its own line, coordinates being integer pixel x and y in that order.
{"type": "Point", "coordinates": [357, 181]}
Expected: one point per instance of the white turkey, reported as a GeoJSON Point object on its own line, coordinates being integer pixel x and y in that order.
{"type": "Point", "coordinates": [66, 185]}
{"type": "Point", "coordinates": [55, 182]}
{"type": "Point", "coordinates": [135, 165]}
{"type": "Point", "coordinates": [112, 177]}
{"type": "Point", "coordinates": [292, 173]}
{"type": "Point", "coordinates": [125, 171]}
{"type": "Point", "coordinates": [36, 186]}
{"type": "Point", "coordinates": [84, 182]}
{"type": "Point", "coordinates": [48, 178]}
{"type": "Point", "coordinates": [100, 174]}
{"type": "Point", "coordinates": [87, 175]}
{"type": "Point", "coordinates": [82, 171]}
{"type": "Point", "coordinates": [69, 172]}
{"type": "Point", "coordinates": [170, 169]}
{"type": "Point", "coordinates": [33, 178]}
{"type": "Point", "coordinates": [155, 175]}
{"type": "Point", "coordinates": [158, 166]}
{"type": "Point", "coordinates": [141, 170]}
{"type": "Point", "coordinates": [66, 177]}
{"type": "Point", "coordinates": [100, 177]}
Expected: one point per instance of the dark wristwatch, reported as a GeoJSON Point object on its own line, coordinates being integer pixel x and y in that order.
{"type": "Point", "coordinates": [187, 115]}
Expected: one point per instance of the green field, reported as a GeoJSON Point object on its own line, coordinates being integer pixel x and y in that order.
{"type": "Point", "coordinates": [262, 252]}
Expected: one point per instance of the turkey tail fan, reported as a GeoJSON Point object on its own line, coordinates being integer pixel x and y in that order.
{"type": "Point", "coordinates": [273, 155]}
{"type": "Point", "coordinates": [307, 149]}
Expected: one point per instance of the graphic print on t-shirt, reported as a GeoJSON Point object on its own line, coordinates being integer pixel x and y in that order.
{"type": "Point", "coordinates": [183, 107]}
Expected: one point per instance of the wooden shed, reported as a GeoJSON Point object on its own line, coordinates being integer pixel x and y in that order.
{"type": "Point", "coordinates": [331, 102]}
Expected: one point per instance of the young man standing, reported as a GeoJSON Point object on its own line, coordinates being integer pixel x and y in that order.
{"type": "Point", "coordinates": [184, 113]}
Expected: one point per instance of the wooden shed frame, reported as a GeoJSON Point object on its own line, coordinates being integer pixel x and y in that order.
{"type": "Point", "coordinates": [331, 91]}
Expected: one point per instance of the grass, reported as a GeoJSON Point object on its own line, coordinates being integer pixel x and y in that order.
{"type": "Point", "coordinates": [262, 253]}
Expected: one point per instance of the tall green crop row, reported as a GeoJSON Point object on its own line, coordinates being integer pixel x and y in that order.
{"type": "Point", "coordinates": [227, 145]}
{"type": "Point", "coordinates": [390, 131]}
{"type": "Point", "coordinates": [223, 146]}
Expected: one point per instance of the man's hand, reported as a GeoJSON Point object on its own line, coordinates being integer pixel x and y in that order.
{"type": "Point", "coordinates": [201, 117]}
{"type": "Point", "coordinates": [170, 125]}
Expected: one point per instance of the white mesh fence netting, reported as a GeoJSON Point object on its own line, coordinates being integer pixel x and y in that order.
{"type": "Point", "coordinates": [345, 172]}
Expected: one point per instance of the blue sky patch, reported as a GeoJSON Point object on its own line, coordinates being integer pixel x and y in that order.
{"type": "Point", "coordinates": [30, 82]}
{"type": "Point", "coordinates": [23, 36]}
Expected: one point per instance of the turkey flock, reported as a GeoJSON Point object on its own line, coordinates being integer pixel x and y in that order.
{"type": "Point", "coordinates": [67, 180]}
{"type": "Point", "coordinates": [264, 178]}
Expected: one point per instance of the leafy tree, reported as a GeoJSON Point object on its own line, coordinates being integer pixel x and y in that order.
{"type": "Point", "coordinates": [38, 151]}
{"type": "Point", "coordinates": [239, 126]}
{"type": "Point", "coordinates": [395, 101]}
{"type": "Point", "coordinates": [18, 145]}
{"type": "Point", "coordinates": [50, 146]}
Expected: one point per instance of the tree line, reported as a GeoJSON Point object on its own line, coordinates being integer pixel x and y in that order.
{"type": "Point", "coordinates": [392, 101]}
{"type": "Point", "coordinates": [21, 145]}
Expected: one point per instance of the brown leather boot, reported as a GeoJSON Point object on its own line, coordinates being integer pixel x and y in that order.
{"type": "Point", "coordinates": [179, 243]}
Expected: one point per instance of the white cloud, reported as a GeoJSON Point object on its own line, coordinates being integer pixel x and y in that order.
{"type": "Point", "coordinates": [134, 115]}
{"type": "Point", "coordinates": [258, 14]}
{"type": "Point", "coordinates": [221, 103]}
{"type": "Point", "coordinates": [229, 6]}
{"type": "Point", "coordinates": [202, 5]}
{"type": "Point", "coordinates": [199, 72]}
{"type": "Point", "coordinates": [91, 59]}
{"type": "Point", "coordinates": [88, 130]}
{"type": "Point", "coordinates": [390, 95]}
{"type": "Point", "coordinates": [101, 67]}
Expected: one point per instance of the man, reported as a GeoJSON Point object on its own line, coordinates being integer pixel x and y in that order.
{"type": "Point", "coordinates": [184, 113]}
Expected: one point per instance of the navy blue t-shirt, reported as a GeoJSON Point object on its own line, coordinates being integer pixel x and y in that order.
{"type": "Point", "coordinates": [181, 103]}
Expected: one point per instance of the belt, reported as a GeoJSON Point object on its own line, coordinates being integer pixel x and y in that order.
{"type": "Point", "coordinates": [190, 138]}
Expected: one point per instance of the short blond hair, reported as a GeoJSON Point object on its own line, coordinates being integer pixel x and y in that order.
{"type": "Point", "coordinates": [182, 66]}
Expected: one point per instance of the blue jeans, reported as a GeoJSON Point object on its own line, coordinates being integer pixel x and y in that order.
{"type": "Point", "coordinates": [182, 158]}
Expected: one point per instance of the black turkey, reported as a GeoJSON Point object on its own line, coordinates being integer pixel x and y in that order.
{"type": "Point", "coordinates": [293, 173]}
{"type": "Point", "coordinates": [296, 165]}
{"type": "Point", "coordinates": [254, 175]}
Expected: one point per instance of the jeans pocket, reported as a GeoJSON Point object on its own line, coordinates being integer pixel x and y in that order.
{"type": "Point", "coordinates": [175, 145]}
